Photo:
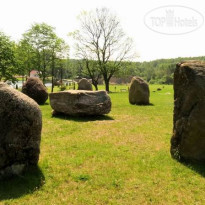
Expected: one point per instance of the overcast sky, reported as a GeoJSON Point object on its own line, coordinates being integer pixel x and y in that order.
{"type": "Point", "coordinates": [16, 16]}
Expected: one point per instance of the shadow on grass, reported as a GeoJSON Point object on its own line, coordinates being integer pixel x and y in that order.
{"type": "Point", "coordinates": [18, 186]}
{"type": "Point", "coordinates": [150, 104]}
{"type": "Point", "coordinates": [196, 167]}
{"type": "Point", "coordinates": [82, 118]}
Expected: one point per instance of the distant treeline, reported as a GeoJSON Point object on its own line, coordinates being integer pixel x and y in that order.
{"type": "Point", "coordinates": [160, 71]}
{"type": "Point", "coordinates": [155, 72]}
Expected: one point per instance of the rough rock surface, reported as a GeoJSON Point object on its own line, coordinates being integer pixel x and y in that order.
{"type": "Point", "coordinates": [188, 140]}
{"type": "Point", "coordinates": [84, 84]}
{"type": "Point", "coordinates": [139, 92]}
{"type": "Point", "coordinates": [20, 131]}
{"type": "Point", "coordinates": [35, 89]}
{"type": "Point", "coordinates": [80, 102]}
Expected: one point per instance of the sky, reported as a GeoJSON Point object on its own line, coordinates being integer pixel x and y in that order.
{"type": "Point", "coordinates": [146, 21]}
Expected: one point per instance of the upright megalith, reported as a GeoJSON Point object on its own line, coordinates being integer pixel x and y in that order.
{"type": "Point", "coordinates": [188, 140]}
{"type": "Point", "coordinates": [80, 102]}
{"type": "Point", "coordinates": [20, 131]}
{"type": "Point", "coordinates": [35, 89]}
{"type": "Point", "coordinates": [139, 92]}
{"type": "Point", "coordinates": [84, 84]}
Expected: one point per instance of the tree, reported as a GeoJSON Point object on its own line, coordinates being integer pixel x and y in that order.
{"type": "Point", "coordinates": [25, 57]}
{"type": "Point", "coordinates": [40, 37]}
{"type": "Point", "coordinates": [102, 39]}
{"type": "Point", "coordinates": [59, 51]}
{"type": "Point", "coordinates": [75, 68]}
{"type": "Point", "coordinates": [7, 58]}
{"type": "Point", "coordinates": [43, 49]}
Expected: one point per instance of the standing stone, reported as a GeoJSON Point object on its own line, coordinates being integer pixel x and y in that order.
{"type": "Point", "coordinates": [80, 102]}
{"type": "Point", "coordinates": [84, 84]}
{"type": "Point", "coordinates": [35, 89]}
{"type": "Point", "coordinates": [188, 140]}
{"type": "Point", "coordinates": [20, 131]}
{"type": "Point", "coordinates": [139, 92]}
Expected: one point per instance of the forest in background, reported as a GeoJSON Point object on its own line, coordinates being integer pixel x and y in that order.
{"type": "Point", "coordinates": [159, 71]}
{"type": "Point", "coordinates": [42, 50]}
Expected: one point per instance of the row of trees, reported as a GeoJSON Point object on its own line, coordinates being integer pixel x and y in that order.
{"type": "Point", "coordinates": [159, 71]}
{"type": "Point", "coordinates": [100, 44]}
{"type": "Point", "coordinates": [7, 58]}
{"type": "Point", "coordinates": [102, 48]}
{"type": "Point", "coordinates": [40, 49]}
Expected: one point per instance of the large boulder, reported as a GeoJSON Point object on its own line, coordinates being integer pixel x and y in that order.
{"type": "Point", "coordinates": [139, 92]}
{"type": "Point", "coordinates": [35, 89]}
{"type": "Point", "coordinates": [84, 84]}
{"type": "Point", "coordinates": [188, 140]}
{"type": "Point", "coordinates": [80, 102]}
{"type": "Point", "coordinates": [20, 131]}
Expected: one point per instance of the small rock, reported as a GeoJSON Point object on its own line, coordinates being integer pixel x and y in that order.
{"type": "Point", "coordinates": [35, 89]}
{"type": "Point", "coordinates": [84, 84]}
{"type": "Point", "coordinates": [139, 92]}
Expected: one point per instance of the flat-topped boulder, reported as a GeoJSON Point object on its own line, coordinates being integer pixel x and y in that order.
{"type": "Point", "coordinates": [80, 102]}
{"type": "Point", "coordinates": [139, 92]}
{"type": "Point", "coordinates": [188, 140]}
{"type": "Point", "coordinates": [20, 131]}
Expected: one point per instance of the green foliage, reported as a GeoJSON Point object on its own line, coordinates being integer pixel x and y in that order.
{"type": "Point", "coordinates": [155, 72]}
{"type": "Point", "coordinates": [25, 57]}
{"type": "Point", "coordinates": [39, 37]}
{"type": "Point", "coordinates": [48, 50]}
{"type": "Point", "coordinates": [7, 58]}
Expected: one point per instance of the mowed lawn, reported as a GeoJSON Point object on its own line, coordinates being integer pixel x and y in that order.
{"type": "Point", "coordinates": [121, 158]}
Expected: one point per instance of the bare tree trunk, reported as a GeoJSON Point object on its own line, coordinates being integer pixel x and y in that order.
{"type": "Point", "coordinates": [107, 85]}
{"type": "Point", "coordinates": [44, 78]}
{"type": "Point", "coordinates": [44, 67]}
{"type": "Point", "coordinates": [61, 73]}
{"type": "Point", "coordinates": [96, 86]}
{"type": "Point", "coordinates": [44, 73]}
{"type": "Point", "coordinates": [53, 65]}
{"type": "Point", "coordinates": [52, 86]}
{"type": "Point", "coordinates": [95, 83]}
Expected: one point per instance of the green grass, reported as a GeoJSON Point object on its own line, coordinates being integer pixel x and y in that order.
{"type": "Point", "coordinates": [121, 158]}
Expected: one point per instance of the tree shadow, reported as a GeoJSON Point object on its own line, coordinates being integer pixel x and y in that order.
{"type": "Point", "coordinates": [18, 186]}
{"type": "Point", "coordinates": [82, 118]}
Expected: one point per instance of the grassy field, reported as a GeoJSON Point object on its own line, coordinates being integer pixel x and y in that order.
{"type": "Point", "coordinates": [121, 158]}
